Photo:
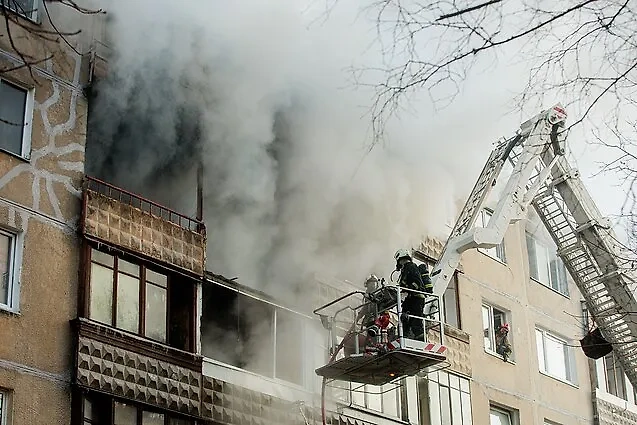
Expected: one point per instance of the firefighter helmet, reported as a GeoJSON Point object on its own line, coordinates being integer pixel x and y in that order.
{"type": "Point", "coordinates": [402, 253]}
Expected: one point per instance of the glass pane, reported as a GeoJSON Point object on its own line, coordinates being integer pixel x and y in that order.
{"type": "Point", "coordinates": [88, 409]}
{"type": "Point", "coordinates": [555, 360]}
{"type": "Point", "coordinates": [434, 403]}
{"type": "Point", "coordinates": [450, 304]}
{"type": "Point", "coordinates": [454, 381]}
{"type": "Point", "coordinates": [156, 278]}
{"type": "Point", "coordinates": [464, 385]}
{"type": "Point", "coordinates": [539, 339]}
{"type": "Point", "coordinates": [289, 354]}
{"type": "Point", "coordinates": [499, 417]}
{"type": "Point", "coordinates": [543, 264]}
{"type": "Point", "coordinates": [445, 405]}
{"type": "Point", "coordinates": [12, 111]}
{"type": "Point", "coordinates": [151, 418]}
{"type": "Point", "coordinates": [5, 268]}
{"type": "Point", "coordinates": [530, 246]}
{"type": "Point", "coordinates": [486, 326]}
{"type": "Point", "coordinates": [155, 312]}
{"type": "Point", "coordinates": [412, 399]}
{"type": "Point", "coordinates": [465, 400]}
{"type": "Point", "coordinates": [373, 398]}
{"type": "Point", "coordinates": [390, 400]}
{"type": "Point", "coordinates": [125, 414]}
{"type": "Point", "coordinates": [127, 303]}
{"type": "Point", "coordinates": [126, 267]}
{"type": "Point", "coordinates": [358, 394]}
{"type": "Point", "coordinates": [102, 258]}
{"type": "Point", "coordinates": [101, 296]}
{"type": "Point", "coordinates": [456, 408]}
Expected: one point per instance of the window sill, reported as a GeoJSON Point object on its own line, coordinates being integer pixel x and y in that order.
{"type": "Point", "coordinates": [564, 381]}
{"type": "Point", "coordinates": [10, 311]}
{"type": "Point", "coordinates": [567, 296]}
{"type": "Point", "coordinates": [16, 156]}
{"type": "Point", "coordinates": [494, 354]}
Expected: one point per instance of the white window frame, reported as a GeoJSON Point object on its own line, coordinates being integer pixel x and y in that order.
{"type": "Point", "coordinates": [35, 13]}
{"type": "Point", "coordinates": [562, 287]}
{"type": "Point", "coordinates": [5, 407]}
{"type": "Point", "coordinates": [569, 357]}
{"type": "Point", "coordinates": [492, 330]}
{"type": "Point", "coordinates": [15, 260]}
{"type": "Point", "coordinates": [25, 152]}
{"type": "Point", "coordinates": [510, 413]}
{"type": "Point", "coordinates": [457, 387]}
{"type": "Point", "coordinates": [498, 252]}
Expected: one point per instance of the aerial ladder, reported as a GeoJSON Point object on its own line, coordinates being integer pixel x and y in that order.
{"type": "Point", "coordinates": [541, 177]}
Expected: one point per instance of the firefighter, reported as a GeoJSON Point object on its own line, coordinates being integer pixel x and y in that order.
{"type": "Point", "coordinates": [414, 303]}
{"type": "Point", "coordinates": [426, 279]}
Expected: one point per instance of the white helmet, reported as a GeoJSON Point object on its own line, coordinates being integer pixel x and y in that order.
{"type": "Point", "coordinates": [402, 253]}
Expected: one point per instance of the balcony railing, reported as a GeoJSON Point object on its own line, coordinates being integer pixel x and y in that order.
{"type": "Point", "coordinates": [144, 204]}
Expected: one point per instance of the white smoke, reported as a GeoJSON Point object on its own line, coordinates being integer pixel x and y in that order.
{"type": "Point", "coordinates": [291, 188]}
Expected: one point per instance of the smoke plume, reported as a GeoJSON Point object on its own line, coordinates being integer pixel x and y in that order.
{"type": "Point", "coordinates": [258, 92]}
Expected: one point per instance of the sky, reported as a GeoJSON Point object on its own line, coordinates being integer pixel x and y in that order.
{"type": "Point", "coordinates": [291, 186]}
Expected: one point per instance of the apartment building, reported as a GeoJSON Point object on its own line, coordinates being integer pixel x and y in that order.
{"type": "Point", "coordinates": [42, 135]}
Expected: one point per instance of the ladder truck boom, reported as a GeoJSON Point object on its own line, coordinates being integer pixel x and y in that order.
{"type": "Point", "coordinates": [586, 244]}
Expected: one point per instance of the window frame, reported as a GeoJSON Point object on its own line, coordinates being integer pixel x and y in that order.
{"type": "Point", "coordinates": [29, 104]}
{"type": "Point", "coordinates": [570, 366]}
{"type": "Point", "coordinates": [498, 252]}
{"type": "Point", "coordinates": [562, 287]}
{"type": "Point", "coordinates": [434, 385]}
{"type": "Point", "coordinates": [14, 262]}
{"type": "Point", "coordinates": [6, 399]}
{"type": "Point", "coordinates": [492, 331]}
{"type": "Point", "coordinates": [618, 372]}
{"type": "Point", "coordinates": [143, 282]}
{"type": "Point", "coordinates": [509, 412]}
{"type": "Point", "coordinates": [35, 13]}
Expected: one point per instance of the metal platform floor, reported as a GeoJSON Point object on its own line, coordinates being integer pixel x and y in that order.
{"type": "Point", "coordinates": [380, 369]}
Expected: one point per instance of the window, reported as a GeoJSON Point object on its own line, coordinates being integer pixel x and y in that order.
{"type": "Point", "coordinates": [545, 266]}
{"type": "Point", "coordinates": [555, 356]}
{"type": "Point", "coordinates": [492, 319]}
{"type": "Point", "coordinates": [3, 408]}
{"type": "Point", "coordinates": [104, 410]}
{"type": "Point", "coordinates": [117, 290]}
{"type": "Point", "coordinates": [384, 399]}
{"type": "Point", "coordinates": [9, 266]}
{"type": "Point", "coordinates": [269, 339]}
{"type": "Point", "coordinates": [449, 399]}
{"type": "Point", "coordinates": [451, 303]}
{"type": "Point", "coordinates": [615, 378]}
{"type": "Point", "coordinates": [496, 252]}
{"type": "Point", "coordinates": [16, 110]}
{"type": "Point", "coordinates": [26, 8]}
{"type": "Point", "coordinates": [499, 416]}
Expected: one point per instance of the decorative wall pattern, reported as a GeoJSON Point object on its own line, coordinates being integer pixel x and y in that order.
{"type": "Point", "coordinates": [129, 227]}
{"type": "Point", "coordinates": [234, 405]}
{"type": "Point", "coordinates": [49, 182]}
{"type": "Point", "coordinates": [610, 414]}
{"type": "Point", "coordinates": [458, 352]}
{"type": "Point", "coordinates": [140, 377]}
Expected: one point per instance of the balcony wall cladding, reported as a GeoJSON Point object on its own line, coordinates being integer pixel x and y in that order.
{"type": "Point", "coordinates": [230, 404]}
{"type": "Point", "coordinates": [611, 414]}
{"type": "Point", "coordinates": [110, 361]}
{"type": "Point", "coordinates": [458, 352]}
{"type": "Point", "coordinates": [124, 225]}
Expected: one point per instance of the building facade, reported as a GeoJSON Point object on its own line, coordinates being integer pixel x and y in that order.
{"type": "Point", "coordinates": [42, 139]}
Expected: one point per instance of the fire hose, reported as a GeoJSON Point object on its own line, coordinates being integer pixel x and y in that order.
{"type": "Point", "coordinates": [324, 383]}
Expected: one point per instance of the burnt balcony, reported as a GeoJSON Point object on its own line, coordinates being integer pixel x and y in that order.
{"type": "Point", "coordinates": [114, 362]}
{"type": "Point", "coordinates": [120, 218]}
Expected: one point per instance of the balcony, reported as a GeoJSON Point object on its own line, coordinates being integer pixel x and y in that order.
{"type": "Point", "coordinates": [116, 217]}
{"type": "Point", "coordinates": [111, 361]}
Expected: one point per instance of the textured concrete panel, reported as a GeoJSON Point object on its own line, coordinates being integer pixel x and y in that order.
{"type": "Point", "coordinates": [142, 231]}
{"type": "Point", "coordinates": [139, 377]}
{"type": "Point", "coordinates": [610, 414]}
